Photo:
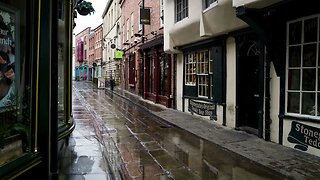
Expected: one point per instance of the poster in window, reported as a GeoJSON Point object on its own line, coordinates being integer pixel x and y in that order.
{"type": "Point", "coordinates": [8, 41]}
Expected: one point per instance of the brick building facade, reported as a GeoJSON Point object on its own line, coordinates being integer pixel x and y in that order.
{"type": "Point", "coordinates": [82, 54]}
{"type": "Point", "coordinates": [97, 60]}
{"type": "Point", "coordinates": [146, 69]}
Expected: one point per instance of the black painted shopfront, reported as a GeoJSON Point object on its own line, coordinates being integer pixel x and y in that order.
{"type": "Point", "coordinates": [35, 78]}
{"type": "Point", "coordinates": [204, 77]}
{"type": "Point", "coordinates": [290, 33]}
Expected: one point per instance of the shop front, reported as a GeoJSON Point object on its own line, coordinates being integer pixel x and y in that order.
{"type": "Point", "coordinates": [157, 73]}
{"type": "Point", "coordinates": [35, 86]}
{"type": "Point", "coordinates": [203, 78]}
{"type": "Point", "coordinates": [290, 31]}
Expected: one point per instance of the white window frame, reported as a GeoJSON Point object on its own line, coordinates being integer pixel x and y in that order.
{"type": "Point", "coordinates": [192, 72]}
{"type": "Point", "coordinates": [212, 5]}
{"type": "Point", "coordinates": [123, 34]}
{"type": "Point", "coordinates": [317, 68]}
{"type": "Point", "coordinates": [199, 69]}
{"type": "Point", "coordinates": [128, 29]}
{"type": "Point", "coordinates": [140, 25]}
{"type": "Point", "coordinates": [184, 14]}
{"type": "Point", "coordinates": [132, 24]}
{"type": "Point", "coordinates": [161, 13]}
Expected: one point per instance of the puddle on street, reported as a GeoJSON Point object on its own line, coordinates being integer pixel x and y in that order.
{"type": "Point", "coordinates": [141, 148]}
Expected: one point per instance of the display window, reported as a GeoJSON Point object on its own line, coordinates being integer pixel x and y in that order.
{"type": "Point", "coordinates": [15, 81]}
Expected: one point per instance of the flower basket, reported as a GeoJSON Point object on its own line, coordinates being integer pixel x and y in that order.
{"type": "Point", "coordinates": [83, 11]}
{"type": "Point", "coordinates": [84, 8]}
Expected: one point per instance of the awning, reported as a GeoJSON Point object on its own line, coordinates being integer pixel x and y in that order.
{"type": "Point", "coordinates": [155, 42]}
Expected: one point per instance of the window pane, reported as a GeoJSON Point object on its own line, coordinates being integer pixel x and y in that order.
{"type": "Point", "coordinates": [295, 56]}
{"type": "Point", "coordinates": [308, 79]}
{"type": "Point", "coordinates": [308, 103]}
{"type": "Point", "coordinates": [310, 30]}
{"type": "Point", "coordinates": [319, 53]}
{"type": "Point", "coordinates": [62, 59]}
{"type": "Point", "coordinates": [309, 55]}
{"type": "Point", "coordinates": [295, 33]}
{"type": "Point", "coordinates": [293, 102]}
{"type": "Point", "coordinates": [318, 79]}
{"type": "Point", "coordinates": [178, 7]}
{"type": "Point", "coordinates": [15, 81]}
{"type": "Point", "coordinates": [294, 79]}
{"type": "Point", "coordinates": [318, 101]}
{"type": "Point", "coordinates": [178, 17]}
{"type": "Point", "coordinates": [186, 15]}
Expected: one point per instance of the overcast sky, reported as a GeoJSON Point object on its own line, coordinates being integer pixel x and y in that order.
{"type": "Point", "coordinates": [92, 20]}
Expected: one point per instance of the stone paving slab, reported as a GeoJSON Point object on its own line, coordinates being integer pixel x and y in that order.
{"type": "Point", "coordinates": [291, 163]}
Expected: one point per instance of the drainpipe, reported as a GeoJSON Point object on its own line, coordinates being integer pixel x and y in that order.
{"type": "Point", "coordinates": [142, 6]}
{"type": "Point", "coordinates": [143, 70]}
{"type": "Point", "coordinates": [224, 86]}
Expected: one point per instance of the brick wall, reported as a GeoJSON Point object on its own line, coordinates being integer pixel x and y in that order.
{"type": "Point", "coordinates": [83, 35]}
{"type": "Point", "coordinates": [129, 7]}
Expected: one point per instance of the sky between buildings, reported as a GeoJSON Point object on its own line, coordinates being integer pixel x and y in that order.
{"type": "Point", "coordinates": [92, 20]}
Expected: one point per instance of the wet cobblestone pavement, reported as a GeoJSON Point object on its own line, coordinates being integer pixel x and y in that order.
{"type": "Point", "coordinates": [115, 139]}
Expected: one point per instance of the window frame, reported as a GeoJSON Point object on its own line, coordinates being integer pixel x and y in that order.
{"type": "Point", "coordinates": [127, 30]}
{"type": "Point", "coordinates": [208, 5]}
{"type": "Point", "coordinates": [184, 12]}
{"type": "Point", "coordinates": [161, 13]}
{"type": "Point", "coordinates": [132, 24]}
{"type": "Point", "coordinates": [201, 71]}
{"type": "Point", "coordinates": [301, 45]}
{"type": "Point", "coordinates": [140, 25]}
{"type": "Point", "coordinates": [193, 65]}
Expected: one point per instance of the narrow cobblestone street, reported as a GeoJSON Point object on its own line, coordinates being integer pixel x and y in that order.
{"type": "Point", "coordinates": [115, 139]}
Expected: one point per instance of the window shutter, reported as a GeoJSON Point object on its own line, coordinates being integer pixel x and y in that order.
{"type": "Point", "coordinates": [217, 74]}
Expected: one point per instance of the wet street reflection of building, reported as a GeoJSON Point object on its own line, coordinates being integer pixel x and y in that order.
{"type": "Point", "coordinates": [136, 145]}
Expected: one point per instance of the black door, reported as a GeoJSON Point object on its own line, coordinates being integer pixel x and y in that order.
{"type": "Point", "coordinates": [249, 86]}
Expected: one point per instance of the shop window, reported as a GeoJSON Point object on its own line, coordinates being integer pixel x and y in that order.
{"type": "Point", "coordinates": [15, 81]}
{"type": "Point", "coordinates": [132, 65]}
{"type": "Point", "coordinates": [303, 76]}
{"type": "Point", "coordinates": [181, 9]}
{"type": "Point", "coordinates": [198, 72]}
{"type": "Point", "coordinates": [99, 71]}
{"type": "Point", "coordinates": [190, 69]}
{"type": "Point", "coordinates": [151, 73]}
{"type": "Point", "coordinates": [163, 74]}
{"type": "Point", "coordinates": [62, 62]}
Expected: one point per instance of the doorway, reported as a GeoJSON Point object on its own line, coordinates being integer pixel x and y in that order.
{"type": "Point", "coordinates": [250, 86]}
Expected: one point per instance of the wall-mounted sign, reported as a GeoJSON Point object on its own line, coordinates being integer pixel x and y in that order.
{"type": "Point", "coordinates": [203, 108]}
{"type": "Point", "coordinates": [303, 136]}
{"type": "Point", "coordinates": [145, 16]}
{"type": "Point", "coordinates": [118, 54]}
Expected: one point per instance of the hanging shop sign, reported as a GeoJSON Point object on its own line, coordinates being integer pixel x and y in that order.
{"type": "Point", "coordinates": [203, 108]}
{"type": "Point", "coordinates": [118, 54]}
{"type": "Point", "coordinates": [145, 16]}
{"type": "Point", "coordinates": [304, 136]}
